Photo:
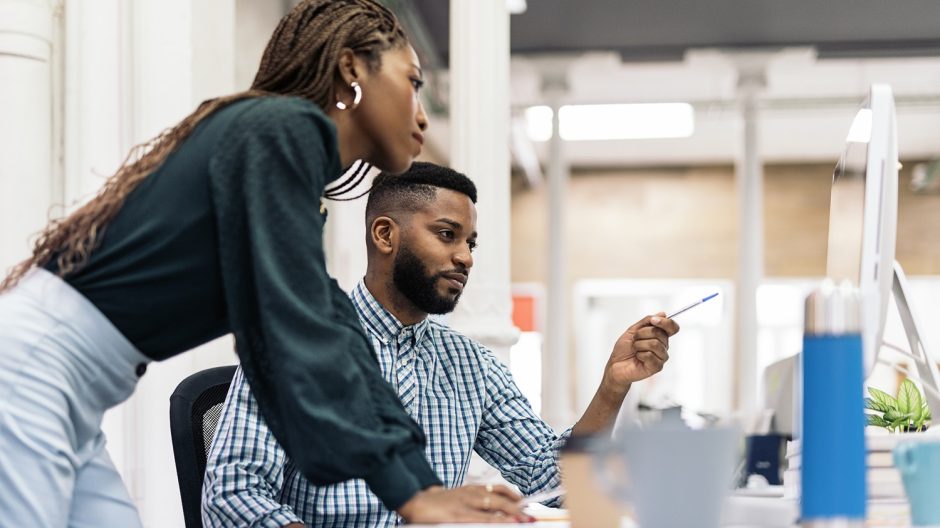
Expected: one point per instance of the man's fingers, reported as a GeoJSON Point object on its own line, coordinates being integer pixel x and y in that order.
{"type": "Point", "coordinates": [651, 361]}
{"type": "Point", "coordinates": [668, 325]}
{"type": "Point", "coordinates": [658, 320]}
{"type": "Point", "coordinates": [626, 338]}
{"type": "Point", "coordinates": [640, 324]}
{"type": "Point", "coordinates": [652, 345]}
{"type": "Point", "coordinates": [653, 332]}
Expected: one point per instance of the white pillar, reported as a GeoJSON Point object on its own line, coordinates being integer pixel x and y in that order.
{"type": "Point", "coordinates": [750, 188]}
{"type": "Point", "coordinates": [556, 376]}
{"type": "Point", "coordinates": [479, 113]}
{"type": "Point", "coordinates": [26, 144]}
{"type": "Point", "coordinates": [133, 68]}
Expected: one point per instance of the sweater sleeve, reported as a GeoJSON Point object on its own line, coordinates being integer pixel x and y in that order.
{"type": "Point", "coordinates": [307, 360]}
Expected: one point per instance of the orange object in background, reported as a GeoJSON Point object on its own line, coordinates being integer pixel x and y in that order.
{"type": "Point", "coordinates": [523, 312]}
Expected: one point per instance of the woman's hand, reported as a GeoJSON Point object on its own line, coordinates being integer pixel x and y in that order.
{"type": "Point", "coordinates": [479, 504]}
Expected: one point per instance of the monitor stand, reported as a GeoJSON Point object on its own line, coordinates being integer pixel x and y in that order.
{"type": "Point", "coordinates": [927, 372]}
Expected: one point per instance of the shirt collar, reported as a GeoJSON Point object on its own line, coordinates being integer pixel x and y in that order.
{"type": "Point", "coordinates": [381, 322]}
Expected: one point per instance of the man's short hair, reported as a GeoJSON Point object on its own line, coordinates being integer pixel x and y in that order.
{"type": "Point", "coordinates": [414, 188]}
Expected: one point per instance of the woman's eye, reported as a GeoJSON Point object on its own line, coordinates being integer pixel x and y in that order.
{"type": "Point", "coordinates": [417, 83]}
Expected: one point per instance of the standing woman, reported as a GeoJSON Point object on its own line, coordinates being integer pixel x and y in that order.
{"type": "Point", "coordinates": [215, 227]}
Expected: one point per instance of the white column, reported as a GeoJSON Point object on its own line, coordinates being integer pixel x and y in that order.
{"type": "Point", "coordinates": [479, 113]}
{"type": "Point", "coordinates": [94, 145]}
{"type": "Point", "coordinates": [26, 134]}
{"type": "Point", "coordinates": [95, 135]}
{"type": "Point", "coordinates": [556, 376]}
{"type": "Point", "coordinates": [132, 69]}
{"type": "Point", "coordinates": [750, 188]}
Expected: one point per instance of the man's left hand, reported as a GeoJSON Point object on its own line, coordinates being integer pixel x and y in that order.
{"type": "Point", "coordinates": [639, 353]}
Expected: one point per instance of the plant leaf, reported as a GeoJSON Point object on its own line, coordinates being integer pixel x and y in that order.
{"type": "Point", "coordinates": [883, 398]}
{"type": "Point", "coordinates": [906, 394]}
{"type": "Point", "coordinates": [873, 405]}
{"type": "Point", "coordinates": [916, 401]}
{"type": "Point", "coordinates": [875, 420]}
{"type": "Point", "coordinates": [919, 410]}
{"type": "Point", "coordinates": [892, 415]}
{"type": "Point", "coordinates": [901, 421]}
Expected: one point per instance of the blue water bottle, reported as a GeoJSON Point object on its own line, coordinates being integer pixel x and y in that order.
{"type": "Point", "coordinates": [833, 444]}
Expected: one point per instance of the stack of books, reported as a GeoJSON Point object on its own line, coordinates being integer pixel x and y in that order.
{"type": "Point", "coordinates": [883, 480]}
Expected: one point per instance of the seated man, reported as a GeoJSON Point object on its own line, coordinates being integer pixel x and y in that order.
{"type": "Point", "coordinates": [421, 232]}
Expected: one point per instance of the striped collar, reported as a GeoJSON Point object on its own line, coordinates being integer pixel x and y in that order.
{"type": "Point", "coordinates": [381, 323]}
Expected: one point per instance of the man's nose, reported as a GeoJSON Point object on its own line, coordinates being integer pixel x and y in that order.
{"type": "Point", "coordinates": [464, 258]}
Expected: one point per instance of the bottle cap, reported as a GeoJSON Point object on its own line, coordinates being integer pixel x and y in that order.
{"type": "Point", "coordinates": [833, 310]}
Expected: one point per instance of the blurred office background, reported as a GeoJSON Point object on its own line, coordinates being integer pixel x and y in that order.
{"type": "Point", "coordinates": [628, 211]}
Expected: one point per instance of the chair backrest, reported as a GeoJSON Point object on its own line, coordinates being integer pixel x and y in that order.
{"type": "Point", "coordinates": [195, 407]}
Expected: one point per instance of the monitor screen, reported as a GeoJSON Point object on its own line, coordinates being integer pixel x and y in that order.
{"type": "Point", "coordinates": [846, 212]}
{"type": "Point", "coordinates": [863, 214]}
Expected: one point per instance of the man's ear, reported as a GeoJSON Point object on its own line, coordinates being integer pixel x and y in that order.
{"type": "Point", "coordinates": [384, 235]}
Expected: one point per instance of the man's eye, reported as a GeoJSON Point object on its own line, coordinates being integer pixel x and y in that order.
{"type": "Point", "coordinates": [448, 235]}
{"type": "Point", "coordinates": [473, 245]}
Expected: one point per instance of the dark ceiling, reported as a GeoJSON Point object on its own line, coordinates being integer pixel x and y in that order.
{"type": "Point", "coordinates": [645, 30]}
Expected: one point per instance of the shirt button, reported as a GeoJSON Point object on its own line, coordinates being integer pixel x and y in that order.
{"type": "Point", "coordinates": [141, 369]}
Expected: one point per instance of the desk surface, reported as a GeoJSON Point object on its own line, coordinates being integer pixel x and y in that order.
{"type": "Point", "coordinates": [748, 512]}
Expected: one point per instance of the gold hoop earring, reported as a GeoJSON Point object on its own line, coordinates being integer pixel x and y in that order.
{"type": "Point", "coordinates": [358, 97]}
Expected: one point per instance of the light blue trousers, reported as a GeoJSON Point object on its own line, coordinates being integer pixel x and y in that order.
{"type": "Point", "coordinates": [62, 365]}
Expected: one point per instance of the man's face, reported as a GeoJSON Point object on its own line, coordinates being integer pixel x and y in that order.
{"type": "Point", "coordinates": [434, 258]}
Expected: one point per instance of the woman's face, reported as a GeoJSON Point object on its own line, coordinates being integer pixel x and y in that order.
{"type": "Point", "coordinates": [391, 116]}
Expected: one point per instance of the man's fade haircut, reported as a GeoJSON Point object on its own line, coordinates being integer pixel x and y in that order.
{"type": "Point", "coordinates": [414, 188]}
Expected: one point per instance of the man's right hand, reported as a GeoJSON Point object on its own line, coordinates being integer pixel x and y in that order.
{"type": "Point", "coordinates": [479, 504]}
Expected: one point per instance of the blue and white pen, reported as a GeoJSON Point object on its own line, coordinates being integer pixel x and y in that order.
{"type": "Point", "coordinates": [693, 305]}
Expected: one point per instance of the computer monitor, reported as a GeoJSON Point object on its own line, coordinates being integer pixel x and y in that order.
{"type": "Point", "coordinates": [863, 214]}
{"type": "Point", "coordinates": [862, 229]}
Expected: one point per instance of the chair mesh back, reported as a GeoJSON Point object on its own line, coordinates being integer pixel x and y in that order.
{"type": "Point", "coordinates": [206, 411]}
{"type": "Point", "coordinates": [209, 422]}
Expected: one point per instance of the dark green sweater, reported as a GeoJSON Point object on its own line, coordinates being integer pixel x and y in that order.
{"type": "Point", "coordinates": [227, 236]}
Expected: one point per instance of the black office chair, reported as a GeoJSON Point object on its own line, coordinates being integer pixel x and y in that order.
{"type": "Point", "coordinates": [195, 407]}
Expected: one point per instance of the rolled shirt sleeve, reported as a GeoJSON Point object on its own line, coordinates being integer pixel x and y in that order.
{"type": "Point", "coordinates": [513, 439]}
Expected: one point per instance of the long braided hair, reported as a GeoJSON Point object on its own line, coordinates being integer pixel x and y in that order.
{"type": "Point", "coordinates": [301, 59]}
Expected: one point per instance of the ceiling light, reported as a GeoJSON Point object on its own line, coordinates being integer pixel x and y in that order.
{"type": "Point", "coordinates": [516, 7]}
{"type": "Point", "coordinates": [613, 121]}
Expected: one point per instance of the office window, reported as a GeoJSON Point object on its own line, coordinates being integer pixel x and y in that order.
{"type": "Point", "coordinates": [698, 375]}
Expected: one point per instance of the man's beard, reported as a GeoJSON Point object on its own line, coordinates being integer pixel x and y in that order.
{"type": "Point", "coordinates": [411, 278]}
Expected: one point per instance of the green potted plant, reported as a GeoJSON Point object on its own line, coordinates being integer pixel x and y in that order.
{"type": "Point", "coordinates": [908, 412]}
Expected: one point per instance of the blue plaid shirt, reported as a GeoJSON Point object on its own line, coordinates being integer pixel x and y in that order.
{"type": "Point", "coordinates": [460, 393]}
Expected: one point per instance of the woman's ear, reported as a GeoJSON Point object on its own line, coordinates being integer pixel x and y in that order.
{"type": "Point", "coordinates": [384, 235]}
{"type": "Point", "coordinates": [350, 67]}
